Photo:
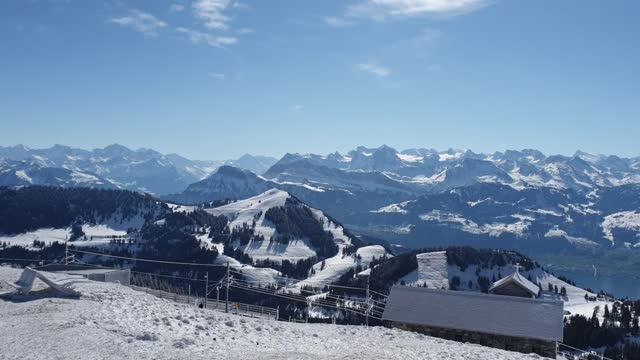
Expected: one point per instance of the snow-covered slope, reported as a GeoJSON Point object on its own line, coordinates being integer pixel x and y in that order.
{"type": "Point", "coordinates": [330, 270]}
{"type": "Point", "coordinates": [110, 321]}
{"type": "Point", "coordinates": [252, 212]}
{"type": "Point", "coordinates": [245, 212]}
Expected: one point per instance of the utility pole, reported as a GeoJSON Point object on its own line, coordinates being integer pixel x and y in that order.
{"type": "Point", "coordinates": [66, 250]}
{"type": "Point", "coordinates": [217, 296]}
{"type": "Point", "coordinates": [206, 288]}
{"type": "Point", "coordinates": [367, 312]}
{"type": "Point", "coordinates": [226, 305]}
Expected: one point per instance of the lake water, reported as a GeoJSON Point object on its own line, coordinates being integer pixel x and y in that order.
{"type": "Point", "coordinates": [618, 286]}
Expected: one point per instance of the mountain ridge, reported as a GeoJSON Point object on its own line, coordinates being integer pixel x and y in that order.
{"type": "Point", "coordinates": [143, 170]}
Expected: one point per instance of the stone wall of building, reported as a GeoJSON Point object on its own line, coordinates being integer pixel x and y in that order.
{"type": "Point", "coordinates": [523, 345]}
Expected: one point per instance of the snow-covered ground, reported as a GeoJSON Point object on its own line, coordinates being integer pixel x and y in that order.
{"type": "Point", "coordinates": [110, 321]}
{"type": "Point", "coordinates": [95, 234]}
{"type": "Point", "coordinates": [102, 230]}
{"type": "Point", "coordinates": [27, 239]}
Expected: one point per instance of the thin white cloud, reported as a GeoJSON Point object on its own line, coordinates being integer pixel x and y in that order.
{"type": "Point", "coordinates": [216, 76]}
{"type": "Point", "coordinates": [175, 8]}
{"type": "Point", "coordinates": [245, 31]}
{"type": "Point", "coordinates": [240, 5]}
{"type": "Point", "coordinates": [212, 13]}
{"type": "Point", "coordinates": [140, 21]}
{"type": "Point", "coordinates": [384, 9]}
{"type": "Point", "coordinates": [198, 37]}
{"type": "Point", "coordinates": [338, 22]}
{"type": "Point", "coordinates": [297, 108]}
{"type": "Point", "coordinates": [374, 69]}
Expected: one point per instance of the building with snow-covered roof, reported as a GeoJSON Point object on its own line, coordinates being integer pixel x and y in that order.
{"type": "Point", "coordinates": [511, 323]}
{"type": "Point", "coordinates": [515, 285]}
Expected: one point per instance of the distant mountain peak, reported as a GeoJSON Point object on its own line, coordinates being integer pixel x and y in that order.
{"type": "Point", "coordinates": [143, 169]}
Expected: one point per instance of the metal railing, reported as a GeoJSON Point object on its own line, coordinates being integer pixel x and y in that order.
{"type": "Point", "coordinates": [183, 299]}
{"type": "Point", "coordinates": [572, 353]}
{"type": "Point", "coordinates": [237, 308]}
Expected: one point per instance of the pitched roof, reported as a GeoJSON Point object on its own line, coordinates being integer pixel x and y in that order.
{"type": "Point", "coordinates": [519, 280]}
{"type": "Point", "coordinates": [492, 314]}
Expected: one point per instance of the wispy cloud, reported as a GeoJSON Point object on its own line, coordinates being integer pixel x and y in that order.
{"type": "Point", "coordinates": [175, 8]}
{"type": "Point", "coordinates": [385, 9]}
{"type": "Point", "coordinates": [374, 69]}
{"type": "Point", "coordinates": [140, 21]}
{"type": "Point", "coordinates": [240, 5]}
{"type": "Point", "coordinates": [212, 13]}
{"type": "Point", "coordinates": [216, 76]}
{"type": "Point", "coordinates": [338, 22]}
{"type": "Point", "coordinates": [297, 108]}
{"type": "Point", "coordinates": [198, 37]}
{"type": "Point", "coordinates": [245, 31]}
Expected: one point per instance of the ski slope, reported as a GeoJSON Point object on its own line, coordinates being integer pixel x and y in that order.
{"type": "Point", "coordinates": [335, 267]}
{"type": "Point", "coordinates": [110, 321]}
{"type": "Point", "coordinates": [253, 209]}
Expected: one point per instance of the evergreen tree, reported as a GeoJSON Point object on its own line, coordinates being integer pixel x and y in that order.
{"type": "Point", "coordinates": [614, 311]}
{"type": "Point", "coordinates": [625, 318]}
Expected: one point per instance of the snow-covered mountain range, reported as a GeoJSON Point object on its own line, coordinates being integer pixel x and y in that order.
{"type": "Point", "coordinates": [429, 170]}
{"type": "Point", "coordinates": [516, 199]}
{"type": "Point", "coordinates": [582, 204]}
{"type": "Point", "coordinates": [114, 166]}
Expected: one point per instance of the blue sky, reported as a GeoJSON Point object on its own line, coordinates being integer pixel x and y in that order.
{"type": "Point", "coordinates": [213, 79]}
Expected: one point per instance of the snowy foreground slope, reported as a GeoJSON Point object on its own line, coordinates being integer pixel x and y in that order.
{"type": "Point", "coordinates": [114, 322]}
